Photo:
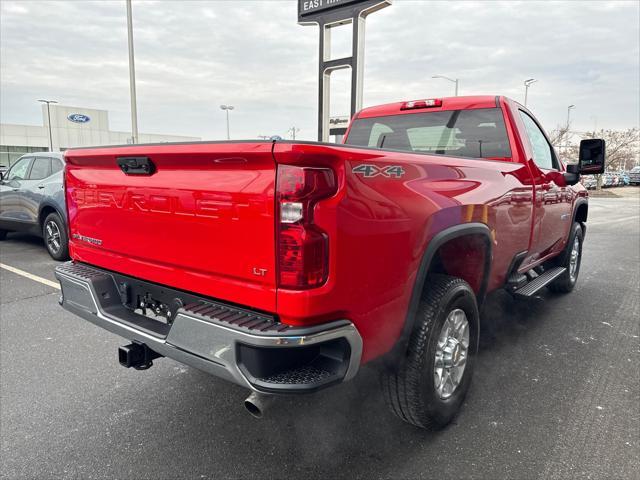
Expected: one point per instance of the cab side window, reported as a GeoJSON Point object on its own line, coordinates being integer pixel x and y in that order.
{"type": "Point", "coordinates": [543, 154]}
{"type": "Point", "coordinates": [19, 170]}
{"type": "Point", "coordinates": [41, 168]}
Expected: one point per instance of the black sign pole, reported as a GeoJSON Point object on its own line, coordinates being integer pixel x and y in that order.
{"type": "Point", "coordinates": [328, 14]}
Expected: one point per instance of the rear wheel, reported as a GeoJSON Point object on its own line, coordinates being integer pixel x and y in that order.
{"type": "Point", "coordinates": [570, 260]}
{"type": "Point", "coordinates": [428, 386]}
{"type": "Point", "coordinates": [3, 234]}
{"type": "Point", "coordinates": [55, 237]}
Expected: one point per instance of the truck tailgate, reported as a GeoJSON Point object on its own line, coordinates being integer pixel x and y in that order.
{"type": "Point", "coordinates": [202, 220]}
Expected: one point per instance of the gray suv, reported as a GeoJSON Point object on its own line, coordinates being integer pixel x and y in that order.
{"type": "Point", "coordinates": [32, 201]}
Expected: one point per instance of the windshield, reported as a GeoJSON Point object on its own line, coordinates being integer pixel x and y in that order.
{"type": "Point", "coordinates": [479, 133]}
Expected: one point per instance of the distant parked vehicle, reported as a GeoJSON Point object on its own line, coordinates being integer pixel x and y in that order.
{"type": "Point", "coordinates": [32, 201]}
{"type": "Point", "coordinates": [634, 176]}
{"type": "Point", "coordinates": [589, 182]}
{"type": "Point", "coordinates": [623, 179]}
{"type": "Point", "coordinates": [614, 180]}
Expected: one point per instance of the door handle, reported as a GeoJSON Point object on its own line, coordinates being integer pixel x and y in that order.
{"type": "Point", "coordinates": [40, 186]}
{"type": "Point", "coordinates": [15, 189]}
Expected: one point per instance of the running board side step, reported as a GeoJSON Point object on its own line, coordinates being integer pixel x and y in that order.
{"type": "Point", "coordinates": [541, 281]}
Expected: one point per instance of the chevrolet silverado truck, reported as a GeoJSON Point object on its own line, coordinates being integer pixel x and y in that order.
{"type": "Point", "coordinates": [284, 266]}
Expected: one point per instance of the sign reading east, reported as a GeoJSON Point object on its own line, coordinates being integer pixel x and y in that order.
{"type": "Point", "coordinates": [307, 7]}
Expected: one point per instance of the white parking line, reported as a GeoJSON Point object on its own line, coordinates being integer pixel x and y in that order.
{"type": "Point", "coordinates": [30, 276]}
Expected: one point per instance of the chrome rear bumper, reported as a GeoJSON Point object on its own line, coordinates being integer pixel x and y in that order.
{"type": "Point", "coordinates": [244, 347]}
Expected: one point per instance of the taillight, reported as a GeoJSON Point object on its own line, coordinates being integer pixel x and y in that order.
{"type": "Point", "coordinates": [303, 247]}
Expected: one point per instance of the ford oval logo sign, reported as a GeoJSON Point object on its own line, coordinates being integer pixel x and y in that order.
{"type": "Point", "coordinates": [78, 118]}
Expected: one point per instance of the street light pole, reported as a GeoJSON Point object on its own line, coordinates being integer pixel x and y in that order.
{"type": "Point", "coordinates": [456, 81]}
{"type": "Point", "coordinates": [226, 108]}
{"type": "Point", "coordinates": [527, 83]}
{"type": "Point", "coordinates": [49, 120]}
{"type": "Point", "coordinates": [132, 77]}
{"type": "Point", "coordinates": [569, 115]}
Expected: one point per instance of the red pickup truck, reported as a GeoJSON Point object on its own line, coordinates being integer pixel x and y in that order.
{"type": "Point", "coordinates": [285, 266]}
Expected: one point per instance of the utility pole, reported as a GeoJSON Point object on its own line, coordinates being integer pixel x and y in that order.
{"type": "Point", "coordinates": [226, 108]}
{"type": "Point", "coordinates": [293, 131]}
{"type": "Point", "coordinates": [456, 81]}
{"type": "Point", "coordinates": [49, 119]}
{"type": "Point", "coordinates": [527, 84]}
{"type": "Point", "coordinates": [132, 77]}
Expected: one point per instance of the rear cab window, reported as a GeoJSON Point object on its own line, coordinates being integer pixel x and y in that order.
{"type": "Point", "coordinates": [477, 133]}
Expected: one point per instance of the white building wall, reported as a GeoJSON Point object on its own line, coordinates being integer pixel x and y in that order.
{"type": "Point", "coordinates": [68, 134]}
{"type": "Point", "coordinates": [23, 135]}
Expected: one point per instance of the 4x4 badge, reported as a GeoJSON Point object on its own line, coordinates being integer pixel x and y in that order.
{"type": "Point", "coordinates": [369, 171]}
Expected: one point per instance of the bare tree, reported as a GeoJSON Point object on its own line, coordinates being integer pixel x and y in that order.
{"type": "Point", "coordinates": [560, 138]}
{"type": "Point", "coordinates": [557, 135]}
{"type": "Point", "coordinates": [622, 147]}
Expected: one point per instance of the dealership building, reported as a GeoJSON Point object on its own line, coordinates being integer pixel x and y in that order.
{"type": "Point", "coordinates": [70, 127]}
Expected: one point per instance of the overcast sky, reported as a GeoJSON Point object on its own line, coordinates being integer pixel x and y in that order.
{"type": "Point", "coordinates": [193, 56]}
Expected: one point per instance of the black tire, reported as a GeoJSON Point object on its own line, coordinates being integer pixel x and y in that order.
{"type": "Point", "coordinates": [3, 234]}
{"type": "Point", "coordinates": [62, 252]}
{"type": "Point", "coordinates": [410, 387]}
{"type": "Point", "coordinates": [567, 281]}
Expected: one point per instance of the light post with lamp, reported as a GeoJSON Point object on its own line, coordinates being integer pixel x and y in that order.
{"type": "Point", "coordinates": [226, 108]}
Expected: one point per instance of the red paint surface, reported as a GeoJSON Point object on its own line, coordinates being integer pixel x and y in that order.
{"type": "Point", "coordinates": [206, 219]}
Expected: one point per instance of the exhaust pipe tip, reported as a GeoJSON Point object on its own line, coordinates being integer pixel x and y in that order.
{"type": "Point", "coordinates": [257, 403]}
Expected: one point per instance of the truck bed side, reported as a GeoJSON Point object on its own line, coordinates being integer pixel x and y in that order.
{"type": "Point", "coordinates": [380, 225]}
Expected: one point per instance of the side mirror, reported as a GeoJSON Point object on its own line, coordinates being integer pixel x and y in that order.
{"type": "Point", "coordinates": [572, 175]}
{"type": "Point", "coordinates": [592, 155]}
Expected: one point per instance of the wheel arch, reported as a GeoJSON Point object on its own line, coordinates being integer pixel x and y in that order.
{"type": "Point", "coordinates": [429, 264]}
{"type": "Point", "coordinates": [45, 210]}
{"type": "Point", "coordinates": [581, 210]}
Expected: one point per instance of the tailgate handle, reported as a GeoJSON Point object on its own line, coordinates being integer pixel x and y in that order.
{"type": "Point", "coordinates": [136, 165]}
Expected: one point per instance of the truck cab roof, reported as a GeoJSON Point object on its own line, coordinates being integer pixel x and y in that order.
{"type": "Point", "coordinates": [448, 103]}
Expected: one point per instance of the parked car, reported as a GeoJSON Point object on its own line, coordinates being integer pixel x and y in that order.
{"type": "Point", "coordinates": [634, 176]}
{"type": "Point", "coordinates": [623, 179]}
{"type": "Point", "coordinates": [614, 180]}
{"type": "Point", "coordinates": [589, 182]}
{"type": "Point", "coordinates": [607, 180]}
{"type": "Point", "coordinates": [284, 266]}
{"type": "Point", "coordinates": [32, 200]}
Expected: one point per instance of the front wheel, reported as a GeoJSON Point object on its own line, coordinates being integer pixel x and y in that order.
{"type": "Point", "coordinates": [570, 259]}
{"type": "Point", "coordinates": [429, 384]}
{"type": "Point", "coordinates": [55, 237]}
{"type": "Point", "coordinates": [3, 234]}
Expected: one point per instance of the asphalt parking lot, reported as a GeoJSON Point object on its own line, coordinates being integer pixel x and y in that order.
{"type": "Point", "coordinates": [556, 392]}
